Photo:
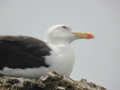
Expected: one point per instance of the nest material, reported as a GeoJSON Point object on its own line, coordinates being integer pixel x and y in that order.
{"type": "Point", "coordinates": [47, 81]}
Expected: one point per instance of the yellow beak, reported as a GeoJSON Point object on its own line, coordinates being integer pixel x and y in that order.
{"type": "Point", "coordinates": [83, 35]}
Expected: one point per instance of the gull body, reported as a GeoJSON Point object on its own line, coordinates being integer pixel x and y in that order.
{"type": "Point", "coordinates": [25, 56]}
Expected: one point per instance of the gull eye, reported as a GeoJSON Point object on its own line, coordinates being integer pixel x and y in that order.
{"type": "Point", "coordinates": [64, 27]}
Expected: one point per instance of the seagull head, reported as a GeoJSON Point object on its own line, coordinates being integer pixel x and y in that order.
{"type": "Point", "coordinates": [59, 34]}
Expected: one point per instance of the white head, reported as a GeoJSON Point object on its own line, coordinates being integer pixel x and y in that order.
{"type": "Point", "coordinates": [60, 34]}
{"type": "Point", "coordinates": [58, 38]}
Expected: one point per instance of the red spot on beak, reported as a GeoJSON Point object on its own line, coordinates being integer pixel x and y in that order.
{"type": "Point", "coordinates": [89, 36]}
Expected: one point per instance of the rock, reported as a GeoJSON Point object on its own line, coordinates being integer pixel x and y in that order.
{"type": "Point", "coordinates": [47, 81]}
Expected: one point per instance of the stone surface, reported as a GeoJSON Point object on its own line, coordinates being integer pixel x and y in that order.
{"type": "Point", "coordinates": [47, 81]}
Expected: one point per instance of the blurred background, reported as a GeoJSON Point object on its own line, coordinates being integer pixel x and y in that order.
{"type": "Point", "coordinates": [96, 60]}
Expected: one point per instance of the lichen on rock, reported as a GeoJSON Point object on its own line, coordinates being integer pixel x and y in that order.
{"type": "Point", "coordinates": [47, 81]}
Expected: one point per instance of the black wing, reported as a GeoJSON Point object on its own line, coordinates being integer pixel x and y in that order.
{"type": "Point", "coordinates": [22, 52]}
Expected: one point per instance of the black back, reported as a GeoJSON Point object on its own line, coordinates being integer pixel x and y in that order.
{"type": "Point", "coordinates": [22, 52]}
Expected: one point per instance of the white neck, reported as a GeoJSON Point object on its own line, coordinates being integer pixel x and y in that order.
{"type": "Point", "coordinates": [62, 57]}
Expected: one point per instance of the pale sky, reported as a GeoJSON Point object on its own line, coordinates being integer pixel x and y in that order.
{"type": "Point", "coordinates": [98, 59]}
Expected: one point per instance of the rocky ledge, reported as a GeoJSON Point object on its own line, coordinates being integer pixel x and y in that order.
{"type": "Point", "coordinates": [47, 81]}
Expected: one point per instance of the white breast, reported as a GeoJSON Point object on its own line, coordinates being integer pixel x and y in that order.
{"type": "Point", "coordinates": [61, 59]}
